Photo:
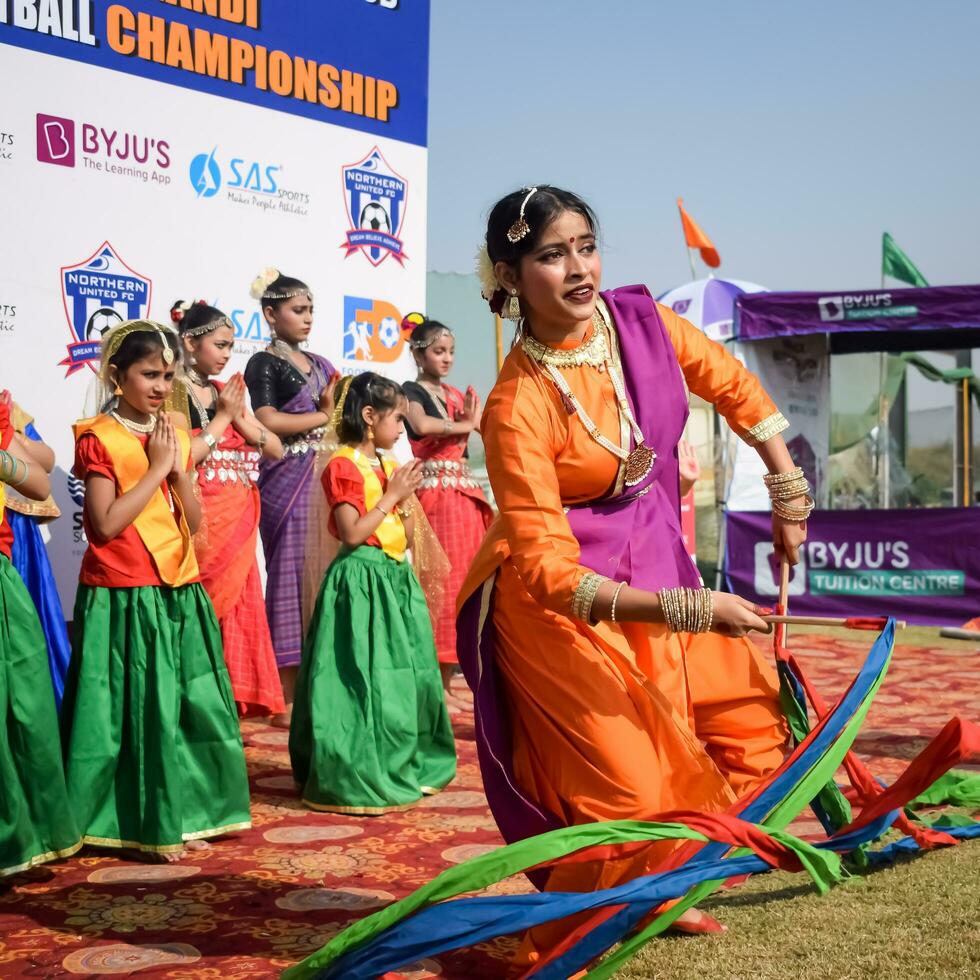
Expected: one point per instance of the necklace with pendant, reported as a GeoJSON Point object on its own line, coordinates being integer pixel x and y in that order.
{"type": "Point", "coordinates": [201, 382]}
{"type": "Point", "coordinates": [283, 351]}
{"type": "Point", "coordinates": [144, 428]}
{"type": "Point", "coordinates": [441, 408]}
{"type": "Point", "coordinates": [639, 460]}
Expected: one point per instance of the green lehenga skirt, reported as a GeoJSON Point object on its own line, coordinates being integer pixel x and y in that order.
{"type": "Point", "coordinates": [370, 731]}
{"type": "Point", "coordinates": [36, 823]}
{"type": "Point", "coordinates": [153, 751]}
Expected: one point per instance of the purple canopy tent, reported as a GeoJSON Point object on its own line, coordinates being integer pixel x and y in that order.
{"type": "Point", "coordinates": [925, 561]}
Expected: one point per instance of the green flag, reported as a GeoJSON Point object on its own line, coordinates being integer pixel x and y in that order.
{"type": "Point", "coordinates": [895, 263]}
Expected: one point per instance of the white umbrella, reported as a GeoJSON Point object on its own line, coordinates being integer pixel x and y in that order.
{"type": "Point", "coordinates": [709, 303]}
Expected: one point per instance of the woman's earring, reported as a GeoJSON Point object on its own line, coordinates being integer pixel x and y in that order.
{"type": "Point", "coordinates": [371, 433]}
{"type": "Point", "coordinates": [513, 307]}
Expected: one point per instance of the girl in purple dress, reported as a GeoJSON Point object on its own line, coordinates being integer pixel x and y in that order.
{"type": "Point", "coordinates": [292, 395]}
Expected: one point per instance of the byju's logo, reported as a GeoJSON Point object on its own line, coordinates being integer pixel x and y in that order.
{"type": "Point", "coordinates": [106, 150]}
{"type": "Point", "coordinates": [98, 293]}
{"type": "Point", "coordinates": [831, 308]}
{"type": "Point", "coordinates": [372, 331]}
{"type": "Point", "coordinates": [207, 176]}
{"type": "Point", "coordinates": [56, 140]}
{"type": "Point", "coordinates": [767, 572]}
{"type": "Point", "coordinates": [375, 197]}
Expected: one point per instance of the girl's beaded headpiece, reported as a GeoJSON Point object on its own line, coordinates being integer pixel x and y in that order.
{"type": "Point", "coordinates": [260, 287]}
{"type": "Point", "coordinates": [415, 320]}
{"type": "Point", "coordinates": [112, 341]}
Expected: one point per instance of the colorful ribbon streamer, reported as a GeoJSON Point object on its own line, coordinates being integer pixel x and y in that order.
{"type": "Point", "coordinates": [749, 839]}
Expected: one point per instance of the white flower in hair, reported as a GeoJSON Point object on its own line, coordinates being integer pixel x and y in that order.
{"type": "Point", "coordinates": [262, 282]}
{"type": "Point", "coordinates": [488, 278]}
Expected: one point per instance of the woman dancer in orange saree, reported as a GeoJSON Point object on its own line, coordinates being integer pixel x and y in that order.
{"type": "Point", "coordinates": [608, 683]}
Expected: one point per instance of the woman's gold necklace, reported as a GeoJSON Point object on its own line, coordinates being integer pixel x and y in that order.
{"type": "Point", "coordinates": [595, 352]}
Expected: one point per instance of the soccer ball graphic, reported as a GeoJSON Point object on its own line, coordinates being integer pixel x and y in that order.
{"type": "Point", "coordinates": [389, 332]}
{"type": "Point", "coordinates": [375, 217]}
{"type": "Point", "coordinates": [100, 321]}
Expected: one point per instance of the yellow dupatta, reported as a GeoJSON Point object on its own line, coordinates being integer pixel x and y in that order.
{"type": "Point", "coordinates": [167, 540]}
{"type": "Point", "coordinates": [391, 531]}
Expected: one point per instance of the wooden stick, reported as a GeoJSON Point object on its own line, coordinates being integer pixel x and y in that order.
{"type": "Point", "coordinates": [827, 621]}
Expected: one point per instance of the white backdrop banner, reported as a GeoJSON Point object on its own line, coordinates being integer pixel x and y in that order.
{"type": "Point", "coordinates": [171, 150]}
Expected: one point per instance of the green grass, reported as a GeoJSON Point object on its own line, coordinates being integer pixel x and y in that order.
{"type": "Point", "coordinates": [916, 919]}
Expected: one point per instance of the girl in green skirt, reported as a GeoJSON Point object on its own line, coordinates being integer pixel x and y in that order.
{"type": "Point", "coordinates": [36, 823]}
{"type": "Point", "coordinates": [370, 731]}
{"type": "Point", "coordinates": [153, 752]}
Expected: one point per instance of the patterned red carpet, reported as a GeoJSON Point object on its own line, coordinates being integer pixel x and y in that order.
{"type": "Point", "coordinates": [263, 900]}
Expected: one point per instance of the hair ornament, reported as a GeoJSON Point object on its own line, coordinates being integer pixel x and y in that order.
{"type": "Point", "coordinates": [415, 320]}
{"type": "Point", "coordinates": [485, 273]}
{"type": "Point", "coordinates": [520, 228]}
{"type": "Point", "coordinates": [209, 327]}
{"type": "Point", "coordinates": [177, 313]}
{"type": "Point", "coordinates": [340, 396]}
{"type": "Point", "coordinates": [262, 282]}
{"type": "Point", "coordinates": [411, 321]}
{"type": "Point", "coordinates": [112, 341]}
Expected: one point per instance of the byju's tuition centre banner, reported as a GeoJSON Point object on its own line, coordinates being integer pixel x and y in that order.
{"type": "Point", "coordinates": [156, 150]}
{"type": "Point", "coordinates": [919, 565]}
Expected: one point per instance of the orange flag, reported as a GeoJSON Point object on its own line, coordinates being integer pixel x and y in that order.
{"type": "Point", "coordinates": [696, 238]}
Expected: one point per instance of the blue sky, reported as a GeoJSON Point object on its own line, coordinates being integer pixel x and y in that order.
{"type": "Point", "coordinates": [796, 133]}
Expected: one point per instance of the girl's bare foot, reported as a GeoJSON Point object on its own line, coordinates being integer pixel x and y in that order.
{"type": "Point", "coordinates": [198, 845]}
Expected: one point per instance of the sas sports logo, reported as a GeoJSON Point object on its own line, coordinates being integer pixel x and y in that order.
{"type": "Point", "coordinates": [207, 175]}
{"type": "Point", "coordinates": [98, 293]}
{"type": "Point", "coordinates": [372, 331]}
{"type": "Point", "coordinates": [375, 197]}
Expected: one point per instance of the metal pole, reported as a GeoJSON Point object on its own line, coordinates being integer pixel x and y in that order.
{"type": "Point", "coordinates": [883, 434]}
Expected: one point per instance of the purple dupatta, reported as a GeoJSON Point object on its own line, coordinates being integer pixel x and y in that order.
{"type": "Point", "coordinates": [284, 485]}
{"type": "Point", "coordinates": [634, 537]}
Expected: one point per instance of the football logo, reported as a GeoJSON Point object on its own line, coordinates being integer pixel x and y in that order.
{"type": "Point", "coordinates": [375, 197]}
{"type": "Point", "coordinates": [372, 331]}
{"type": "Point", "coordinates": [98, 293]}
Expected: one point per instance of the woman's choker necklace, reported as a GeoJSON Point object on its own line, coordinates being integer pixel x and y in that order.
{"type": "Point", "coordinates": [594, 352]}
{"type": "Point", "coordinates": [285, 345]}
{"type": "Point", "coordinates": [195, 377]}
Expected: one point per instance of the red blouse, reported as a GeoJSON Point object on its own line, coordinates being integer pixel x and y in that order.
{"type": "Point", "coordinates": [343, 484]}
{"type": "Point", "coordinates": [123, 562]}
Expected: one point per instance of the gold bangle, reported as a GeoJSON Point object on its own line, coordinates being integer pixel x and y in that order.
{"type": "Point", "coordinates": [687, 610]}
{"type": "Point", "coordinates": [612, 611]}
{"type": "Point", "coordinates": [378, 506]}
{"type": "Point", "coordinates": [585, 594]}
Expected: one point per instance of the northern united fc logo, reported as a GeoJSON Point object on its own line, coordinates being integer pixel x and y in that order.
{"type": "Point", "coordinates": [98, 293]}
{"type": "Point", "coordinates": [375, 197]}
